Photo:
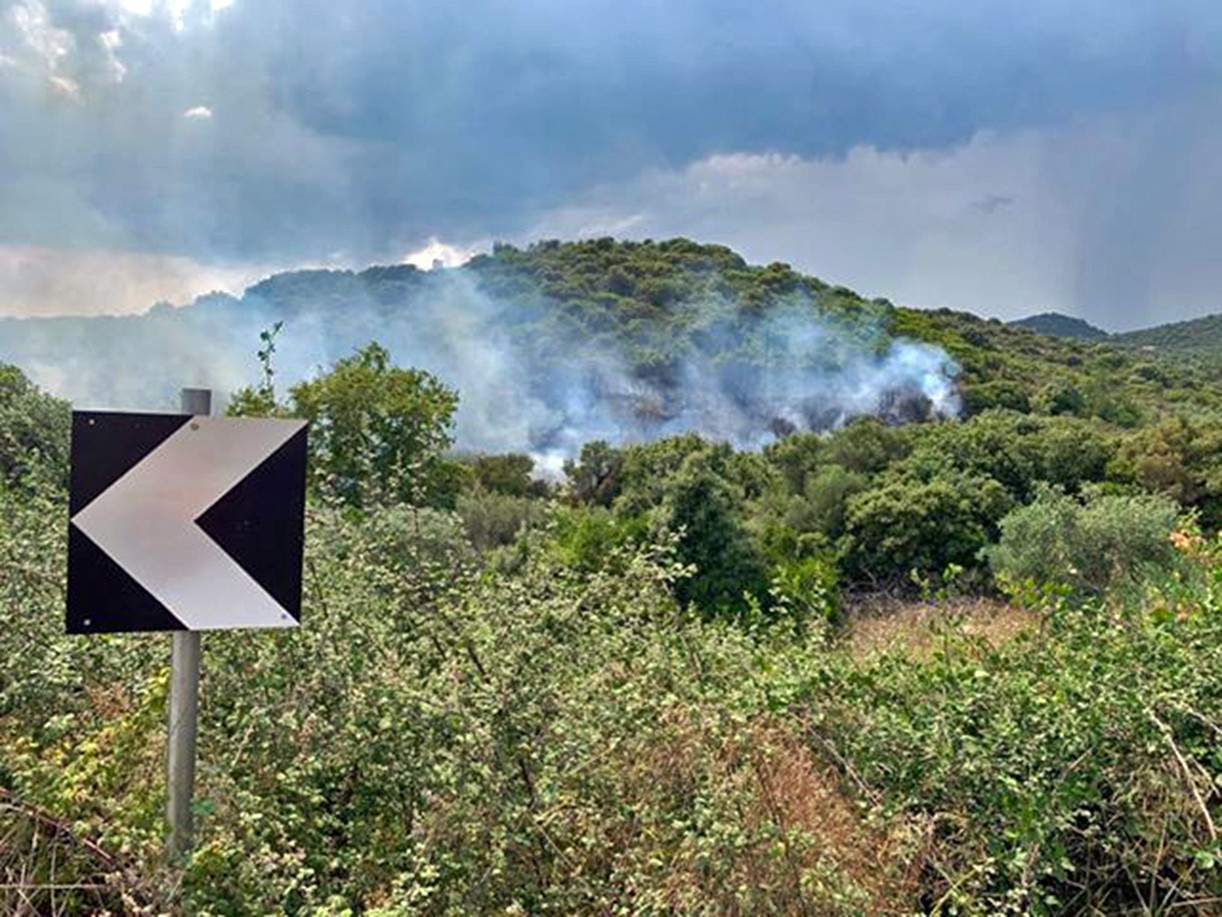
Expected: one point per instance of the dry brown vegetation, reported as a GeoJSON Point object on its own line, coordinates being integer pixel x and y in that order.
{"type": "Point", "coordinates": [46, 870]}
{"type": "Point", "coordinates": [879, 623]}
{"type": "Point", "coordinates": [801, 842]}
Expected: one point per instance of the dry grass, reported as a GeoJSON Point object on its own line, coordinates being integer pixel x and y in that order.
{"type": "Point", "coordinates": [878, 624]}
{"type": "Point", "coordinates": [46, 871]}
{"type": "Point", "coordinates": [804, 845]}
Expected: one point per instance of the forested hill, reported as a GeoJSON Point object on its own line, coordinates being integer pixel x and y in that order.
{"type": "Point", "coordinates": [1062, 326]}
{"type": "Point", "coordinates": [1199, 336]}
{"type": "Point", "coordinates": [606, 339]}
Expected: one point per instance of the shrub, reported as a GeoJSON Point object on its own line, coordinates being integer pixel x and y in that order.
{"type": "Point", "coordinates": [1092, 544]}
{"type": "Point", "coordinates": [807, 590]}
{"type": "Point", "coordinates": [495, 519]}
{"type": "Point", "coordinates": [1066, 772]}
{"type": "Point", "coordinates": [33, 430]}
{"type": "Point", "coordinates": [865, 445]}
{"type": "Point", "coordinates": [907, 524]}
{"type": "Point", "coordinates": [590, 539]}
{"type": "Point", "coordinates": [823, 504]}
{"type": "Point", "coordinates": [1016, 450]}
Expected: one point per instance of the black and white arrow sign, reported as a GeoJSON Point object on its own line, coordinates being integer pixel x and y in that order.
{"type": "Point", "coordinates": [184, 523]}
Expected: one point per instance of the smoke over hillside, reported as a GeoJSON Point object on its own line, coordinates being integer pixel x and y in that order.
{"type": "Point", "coordinates": [533, 373]}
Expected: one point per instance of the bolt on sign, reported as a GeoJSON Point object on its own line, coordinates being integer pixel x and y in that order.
{"type": "Point", "coordinates": [181, 522]}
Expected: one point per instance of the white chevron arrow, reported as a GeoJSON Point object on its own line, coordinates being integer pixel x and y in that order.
{"type": "Point", "coordinates": [145, 521]}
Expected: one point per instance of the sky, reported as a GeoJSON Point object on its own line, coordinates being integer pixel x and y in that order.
{"type": "Point", "coordinates": [1000, 157]}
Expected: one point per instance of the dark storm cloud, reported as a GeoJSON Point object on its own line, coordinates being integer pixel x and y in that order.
{"type": "Point", "coordinates": [362, 127]}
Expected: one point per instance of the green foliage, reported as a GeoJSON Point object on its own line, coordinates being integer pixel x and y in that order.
{"type": "Point", "coordinates": [441, 739]}
{"type": "Point", "coordinates": [823, 504]}
{"type": "Point", "coordinates": [645, 697]}
{"type": "Point", "coordinates": [1180, 458]}
{"type": "Point", "coordinates": [907, 523]}
{"type": "Point", "coordinates": [508, 474]}
{"type": "Point", "coordinates": [377, 432]}
{"type": "Point", "coordinates": [647, 470]}
{"type": "Point", "coordinates": [1061, 774]}
{"type": "Point", "coordinates": [1094, 543]}
{"type": "Point", "coordinates": [806, 590]}
{"type": "Point", "coordinates": [1016, 450]}
{"type": "Point", "coordinates": [33, 430]}
{"type": "Point", "coordinates": [657, 303]}
{"type": "Point", "coordinates": [1065, 326]}
{"type": "Point", "coordinates": [590, 539]}
{"type": "Point", "coordinates": [1003, 394]}
{"type": "Point", "coordinates": [432, 741]}
{"type": "Point", "coordinates": [865, 445]}
{"type": "Point", "coordinates": [701, 506]}
{"type": "Point", "coordinates": [1198, 335]}
{"type": "Point", "coordinates": [495, 519]}
{"type": "Point", "coordinates": [594, 477]}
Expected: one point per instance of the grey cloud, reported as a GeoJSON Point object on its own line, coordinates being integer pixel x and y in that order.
{"type": "Point", "coordinates": [363, 127]}
{"type": "Point", "coordinates": [1113, 218]}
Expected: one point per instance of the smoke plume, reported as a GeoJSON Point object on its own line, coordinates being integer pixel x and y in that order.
{"type": "Point", "coordinates": [531, 375]}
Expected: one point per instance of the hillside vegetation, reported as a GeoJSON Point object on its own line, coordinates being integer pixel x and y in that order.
{"type": "Point", "coordinates": [1201, 336]}
{"type": "Point", "coordinates": [550, 316]}
{"type": "Point", "coordinates": [965, 665]}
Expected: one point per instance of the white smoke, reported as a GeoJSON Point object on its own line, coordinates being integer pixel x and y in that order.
{"type": "Point", "coordinates": [529, 377]}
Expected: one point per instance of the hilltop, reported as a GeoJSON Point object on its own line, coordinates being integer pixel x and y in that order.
{"type": "Point", "coordinates": [611, 339]}
{"type": "Point", "coordinates": [1198, 337]}
{"type": "Point", "coordinates": [1054, 324]}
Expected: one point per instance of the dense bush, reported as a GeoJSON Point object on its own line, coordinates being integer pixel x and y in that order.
{"type": "Point", "coordinates": [1016, 450]}
{"type": "Point", "coordinates": [645, 695]}
{"type": "Point", "coordinates": [906, 523]}
{"type": "Point", "coordinates": [1068, 772]}
{"type": "Point", "coordinates": [433, 741]}
{"type": "Point", "coordinates": [494, 520]}
{"type": "Point", "coordinates": [33, 430]}
{"type": "Point", "coordinates": [436, 740]}
{"type": "Point", "coordinates": [1094, 543]}
{"type": "Point", "coordinates": [591, 539]}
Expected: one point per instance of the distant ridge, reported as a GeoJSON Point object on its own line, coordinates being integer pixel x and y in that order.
{"type": "Point", "coordinates": [1056, 325]}
{"type": "Point", "coordinates": [1198, 335]}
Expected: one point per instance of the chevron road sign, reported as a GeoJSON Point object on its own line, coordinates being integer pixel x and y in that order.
{"type": "Point", "coordinates": [181, 522]}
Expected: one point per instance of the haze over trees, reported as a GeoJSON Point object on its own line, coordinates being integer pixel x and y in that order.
{"type": "Point", "coordinates": [621, 341]}
{"type": "Point", "coordinates": [905, 661]}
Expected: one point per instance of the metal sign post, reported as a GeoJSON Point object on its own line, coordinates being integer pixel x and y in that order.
{"type": "Point", "coordinates": [184, 523]}
{"type": "Point", "coordinates": [184, 698]}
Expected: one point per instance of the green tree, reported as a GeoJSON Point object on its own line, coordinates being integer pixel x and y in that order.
{"type": "Point", "coordinates": [377, 431]}
{"type": "Point", "coordinates": [33, 429]}
{"type": "Point", "coordinates": [911, 524]}
{"type": "Point", "coordinates": [1090, 544]}
{"type": "Point", "coordinates": [508, 474]}
{"type": "Point", "coordinates": [595, 477]}
{"type": "Point", "coordinates": [703, 506]}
